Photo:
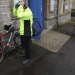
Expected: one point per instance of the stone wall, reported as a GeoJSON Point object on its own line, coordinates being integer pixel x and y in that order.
{"type": "Point", "coordinates": [4, 13]}
{"type": "Point", "coordinates": [73, 8]}
{"type": "Point", "coordinates": [52, 23]}
{"type": "Point", "coordinates": [52, 19]}
{"type": "Point", "coordinates": [73, 4]}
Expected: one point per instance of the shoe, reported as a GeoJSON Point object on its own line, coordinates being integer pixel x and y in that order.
{"type": "Point", "coordinates": [26, 61]}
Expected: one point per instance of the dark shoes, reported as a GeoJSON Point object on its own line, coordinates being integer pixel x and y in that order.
{"type": "Point", "coordinates": [26, 61]}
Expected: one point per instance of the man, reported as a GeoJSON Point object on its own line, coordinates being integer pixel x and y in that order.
{"type": "Point", "coordinates": [26, 20]}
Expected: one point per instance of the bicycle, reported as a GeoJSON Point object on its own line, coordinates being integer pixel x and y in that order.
{"type": "Point", "coordinates": [5, 47]}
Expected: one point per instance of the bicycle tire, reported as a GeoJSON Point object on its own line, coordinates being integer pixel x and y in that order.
{"type": "Point", "coordinates": [1, 54]}
{"type": "Point", "coordinates": [17, 40]}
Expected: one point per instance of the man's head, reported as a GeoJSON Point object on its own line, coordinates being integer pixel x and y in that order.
{"type": "Point", "coordinates": [23, 4]}
{"type": "Point", "coordinates": [20, 3]}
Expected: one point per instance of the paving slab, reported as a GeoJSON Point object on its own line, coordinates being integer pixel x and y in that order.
{"type": "Point", "coordinates": [52, 40]}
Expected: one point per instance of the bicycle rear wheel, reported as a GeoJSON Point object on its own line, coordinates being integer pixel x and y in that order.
{"type": "Point", "coordinates": [17, 40]}
{"type": "Point", "coordinates": [1, 54]}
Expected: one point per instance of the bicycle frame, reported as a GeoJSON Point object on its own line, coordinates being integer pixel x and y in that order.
{"type": "Point", "coordinates": [9, 39]}
{"type": "Point", "coordinates": [6, 47]}
{"type": "Point", "coordinates": [1, 43]}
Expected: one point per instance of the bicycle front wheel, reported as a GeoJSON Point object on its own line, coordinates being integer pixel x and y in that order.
{"type": "Point", "coordinates": [1, 54]}
{"type": "Point", "coordinates": [17, 40]}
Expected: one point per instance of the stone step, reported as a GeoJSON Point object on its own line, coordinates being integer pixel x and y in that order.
{"type": "Point", "coordinates": [52, 40]}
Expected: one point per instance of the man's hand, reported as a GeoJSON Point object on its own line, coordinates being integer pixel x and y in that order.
{"type": "Point", "coordinates": [17, 5]}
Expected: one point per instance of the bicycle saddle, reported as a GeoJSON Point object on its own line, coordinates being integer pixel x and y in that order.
{"type": "Point", "coordinates": [6, 27]}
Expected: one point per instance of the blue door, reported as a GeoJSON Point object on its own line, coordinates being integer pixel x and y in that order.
{"type": "Point", "coordinates": [37, 7]}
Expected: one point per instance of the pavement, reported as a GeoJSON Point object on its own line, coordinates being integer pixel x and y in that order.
{"type": "Point", "coordinates": [52, 40]}
{"type": "Point", "coordinates": [45, 61]}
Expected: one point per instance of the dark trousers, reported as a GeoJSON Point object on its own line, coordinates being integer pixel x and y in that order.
{"type": "Point", "coordinates": [25, 43]}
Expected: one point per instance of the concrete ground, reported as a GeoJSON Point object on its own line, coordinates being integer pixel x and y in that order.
{"type": "Point", "coordinates": [52, 40]}
{"type": "Point", "coordinates": [43, 61]}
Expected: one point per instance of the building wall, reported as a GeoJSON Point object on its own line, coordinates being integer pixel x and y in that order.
{"type": "Point", "coordinates": [58, 16]}
{"type": "Point", "coordinates": [4, 12]}
{"type": "Point", "coordinates": [50, 17]}
{"type": "Point", "coordinates": [73, 8]}
{"type": "Point", "coordinates": [73, 4]}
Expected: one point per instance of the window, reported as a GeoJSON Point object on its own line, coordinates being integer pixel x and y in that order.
{"type": "Point", "coordinates": [67, 6]}
{"type": "Point", "coordinates": [52, 2]}
{"type": "Point", "coordinates": [64, 6]}
{"type": "Point", "coordinates": [61, 7]}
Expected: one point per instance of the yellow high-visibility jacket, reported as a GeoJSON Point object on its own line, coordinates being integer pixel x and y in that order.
{"type": "Point", "coordinates": [26, 20]}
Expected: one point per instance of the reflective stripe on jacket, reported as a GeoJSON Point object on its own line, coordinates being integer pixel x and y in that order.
{"type": "Point", "coordinates": [26, 20]}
